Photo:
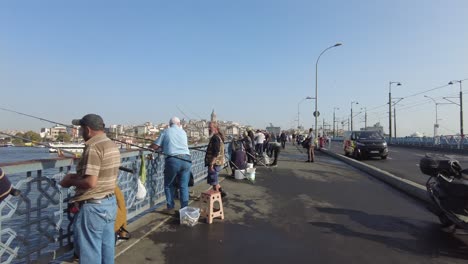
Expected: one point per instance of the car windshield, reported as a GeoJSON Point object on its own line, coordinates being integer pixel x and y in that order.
{"type": "Point", "coordinates": [368, 135]}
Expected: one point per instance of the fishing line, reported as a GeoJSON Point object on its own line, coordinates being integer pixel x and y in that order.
{"type": "Point", "coordinates": [53, 122]}
{"type": "Point", "coordinates": [70, 126]}
{"type": "Point", "coordinates": [40, 118]}
{"type": "Point", "coordinates": [58, 149]}
{"type": "Point", "coordinates": [152, 150]}
{"type": "Point", "coordinates": [39, 143]}
{"type": "Point", "coordinates": [146, 139]}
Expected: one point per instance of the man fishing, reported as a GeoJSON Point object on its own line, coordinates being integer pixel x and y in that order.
{"type": "Point", "coordinates": [95, 180]}
{"type": "Point", "coordinates": [177, 166]}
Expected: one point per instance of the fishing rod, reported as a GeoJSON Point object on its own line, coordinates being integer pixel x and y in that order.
{"type": "Point", "coordinates": [59, 150]}
{"type": "Point", "coordinates": [41, 144]}
{"type": "Point", "coordinates": [70, 126]}
{"type": "Point", "coordinates": [146, 139]}
{"type": "Point", "coordinates": [152, 150]}
{"type": "Point", "coordinates": [40, 118]}
{"type": "Point", "coordinates": [65, 125]}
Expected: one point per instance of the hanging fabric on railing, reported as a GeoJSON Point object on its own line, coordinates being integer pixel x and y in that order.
{"type": "Point", "coordinates": [142, 169]}
{"type": "Point", "coordinates": [141, 191]}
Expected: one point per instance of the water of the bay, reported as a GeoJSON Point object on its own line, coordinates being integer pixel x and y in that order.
{"type": "Point", "coordinates": [14, 154]}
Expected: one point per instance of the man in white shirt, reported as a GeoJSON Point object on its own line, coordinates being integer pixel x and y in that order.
{"type": "Point", "coordinates": [259, 139]}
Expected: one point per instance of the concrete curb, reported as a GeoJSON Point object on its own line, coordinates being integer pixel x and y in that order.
{"type": "Point", "coordinates": [411, 188]}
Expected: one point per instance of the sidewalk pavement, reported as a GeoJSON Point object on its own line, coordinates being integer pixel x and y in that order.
{"type": "Point", "coordinates": [271, 221]}
{"type": "Point", "coordinates": [265, 222]}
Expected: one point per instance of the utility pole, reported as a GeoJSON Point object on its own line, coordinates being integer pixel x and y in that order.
{"type": "Point", "coordinates": [323, 126]}
{"type": "Point", "coordinates": [461, 106]}
{"type": "Point", "coordinates": [334, 132]}
{"type": "Point", "coordinates": [394, 120]}
{"type": "Point", "coordinates": [365, 118]}
{"type": "Point", "coordinates": [390, 109]}
{"type": "Point", "coordinates": [394, 114]}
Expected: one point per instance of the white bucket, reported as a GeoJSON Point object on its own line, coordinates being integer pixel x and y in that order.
{"type": "Point", "coordinates": [249, 165]}
{"type": "Point", "coordinates": [251, 170]}
{"type": "Point", "coordinates": [250, 174]}
{"type": "Point", "coordinates": [239, 174]}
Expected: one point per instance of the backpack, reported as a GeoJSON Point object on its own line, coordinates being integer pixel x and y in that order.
{"type": "Point", "coordinates": [306, 143]}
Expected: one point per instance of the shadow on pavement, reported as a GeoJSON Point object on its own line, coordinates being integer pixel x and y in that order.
{"type": "Point", "coordinates": [426, 238]}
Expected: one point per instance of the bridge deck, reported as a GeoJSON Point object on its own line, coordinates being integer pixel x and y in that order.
{"type": "Point", "coordinates": [298, 212]}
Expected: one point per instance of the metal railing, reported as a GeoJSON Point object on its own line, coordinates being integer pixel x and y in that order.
{"type": "Point", "coordinates": [35, 226]}
{"type": "Point", "coordinates": [448, 142]}
{"type": "Point", "coordinates": [453, 142]}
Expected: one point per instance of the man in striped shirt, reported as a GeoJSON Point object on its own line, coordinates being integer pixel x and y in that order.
{"type": "Point", "coordinates": [95, 180]}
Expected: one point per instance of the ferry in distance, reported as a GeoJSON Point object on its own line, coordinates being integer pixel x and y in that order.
{"type": "Point", "coordinates": [70, 147]}
{"type": "Point", "coordinates": [9, 144]}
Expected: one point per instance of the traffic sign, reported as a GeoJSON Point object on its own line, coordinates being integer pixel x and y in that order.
{"type": "Point", "coordinates": [316, 113]}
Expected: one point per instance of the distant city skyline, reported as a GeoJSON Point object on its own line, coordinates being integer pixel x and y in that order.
{"type": "Point", "coordinates": [251, 60]}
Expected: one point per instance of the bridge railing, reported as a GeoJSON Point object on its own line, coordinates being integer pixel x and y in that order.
{"type": "Point", "coordinates": [440, 142]}
{"type": "Point", "coordinates": [35, 226]}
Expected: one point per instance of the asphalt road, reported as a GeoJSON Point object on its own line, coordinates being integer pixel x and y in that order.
{"type": "Point", "coordinates": [404, 162]}
{"type": "Point", "coordinates": [298, 212]}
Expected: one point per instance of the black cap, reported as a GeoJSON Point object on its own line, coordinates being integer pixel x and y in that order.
{"type": "Point", "coordinates": [92, 121]}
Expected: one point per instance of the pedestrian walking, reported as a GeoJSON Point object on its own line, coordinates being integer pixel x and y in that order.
{"type": "Point", "coordinates": [283, 139]}
{"type": "Point", "coordinates": [310, 146]}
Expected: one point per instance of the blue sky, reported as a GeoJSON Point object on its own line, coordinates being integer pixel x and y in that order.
{"type": "Point", "coordinates": [252, 61]}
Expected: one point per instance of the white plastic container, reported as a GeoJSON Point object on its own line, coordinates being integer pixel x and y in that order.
{"type": "Point", "coordinates": [239, 174]}
{"type": "Point", "coordinates": [250, 174]}
{"type": "Point", "coordinates": [249, 165]}
{"type": "Point", "coordinates": [189, 216]}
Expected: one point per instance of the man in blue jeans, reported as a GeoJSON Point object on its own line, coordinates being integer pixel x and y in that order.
{"type": "Point", "coordinates": [174, 144]}
{"type": "Point", "coordinates": [95, 180]}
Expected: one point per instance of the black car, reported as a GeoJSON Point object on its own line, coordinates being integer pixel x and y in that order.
{"type": "Point", "coordinates": [365, 144]}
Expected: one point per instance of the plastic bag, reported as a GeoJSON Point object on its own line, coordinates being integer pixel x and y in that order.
{"type": "Point", "coordinates": [141, 192]}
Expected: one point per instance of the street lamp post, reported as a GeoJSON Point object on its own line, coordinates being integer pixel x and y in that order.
{"type": "Point", "coordinates": [316, 113]}
{"type": "Point", "coordinates": [461, 106]}
{"type": "Point", "coordinates": [352, 102]}
{"type": "Point", "coordinates": [334, 108]}
{"type": "Point", "coordinates": [390, 109]}
{"type": "Point", "coordinates": [307, 98]}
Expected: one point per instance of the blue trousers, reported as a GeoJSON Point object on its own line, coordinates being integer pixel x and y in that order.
{"type": "Point", "coordinates": [93, 232]}
{"type": "Point", "coordinates": [181, 169]}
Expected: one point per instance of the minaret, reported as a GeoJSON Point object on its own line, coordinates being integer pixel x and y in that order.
{"type": "Point", "coordinates": [213, 117]}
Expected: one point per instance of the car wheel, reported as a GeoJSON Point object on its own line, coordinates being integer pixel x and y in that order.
{"type": "Point", "coordinates": [356, 155]}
